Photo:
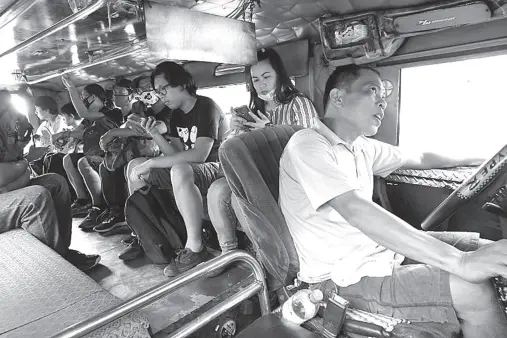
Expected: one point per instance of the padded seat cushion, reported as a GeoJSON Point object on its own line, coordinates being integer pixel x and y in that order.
{"type": "Point", "coordinates": [270, 326]}
{"type": "Point", "coordinates": [41, 293]}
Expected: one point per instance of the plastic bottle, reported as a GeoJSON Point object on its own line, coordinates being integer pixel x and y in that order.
{"type": "Point", "coordinates": [301, 306]}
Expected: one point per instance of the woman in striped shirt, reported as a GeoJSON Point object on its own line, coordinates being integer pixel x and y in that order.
{"type": "Point", "coordinates": [275, 101]}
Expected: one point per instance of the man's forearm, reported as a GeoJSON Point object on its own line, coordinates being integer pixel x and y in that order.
{"type": "Point", "coordinates": [11, 171]}
{"type": "Point", "coordinates": [189, 156]}
{"type": "Point", "coordinates": [166, 148]}
{"type": "Point", "coordinates": [393, 233]}
{"type": "Point", "coordinates": [432, 160]}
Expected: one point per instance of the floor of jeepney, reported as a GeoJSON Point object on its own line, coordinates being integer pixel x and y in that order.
{"type": "Point", "coordinates": [127, 279]}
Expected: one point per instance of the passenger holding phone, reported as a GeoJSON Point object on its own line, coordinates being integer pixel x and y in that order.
{"type": "Point", "coordinates": [275, 101]}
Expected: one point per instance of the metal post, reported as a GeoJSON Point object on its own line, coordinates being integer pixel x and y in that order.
{"type": "Point", "coordinates": [56, 27]}
{"type": "Point", "coordinates": [164, 289]}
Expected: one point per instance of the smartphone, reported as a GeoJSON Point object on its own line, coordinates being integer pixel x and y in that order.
{"type": "Point", "coordinates": [243, 111]}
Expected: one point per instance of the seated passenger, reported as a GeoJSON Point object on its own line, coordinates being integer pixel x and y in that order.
{"type": "Point", "coordinates": [113, 181]}
{"type": "Point", "coordinates": [145, 104]}
{"type": "Point", "coordinates": [40, 205]}
{"type": "Point", "coordinates": [73, 140]}
{"type": "Point", "coordinates": [93, 106]}
{"type": "Point", "coordinates": [348, 244]}
{"type": "Point", "coordinates": [190, 161]}
{"type": "Point", "coordinates": [276, 101]}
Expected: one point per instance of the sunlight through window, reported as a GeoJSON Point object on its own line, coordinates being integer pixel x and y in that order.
{"type": "Point", "coordinates": [454, 108]}
{"type": "Point", "coordinates": [19, 104]}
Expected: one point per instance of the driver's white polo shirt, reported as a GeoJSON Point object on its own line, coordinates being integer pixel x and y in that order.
{"type": "Point", "coordinates": [313, 170]}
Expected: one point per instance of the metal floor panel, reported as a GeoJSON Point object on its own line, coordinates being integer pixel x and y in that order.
{"type": "Point", "coordinates": [127, 279]}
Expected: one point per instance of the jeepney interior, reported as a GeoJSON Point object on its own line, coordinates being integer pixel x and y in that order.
{"type": "Point", "coordinates": [443, 65]}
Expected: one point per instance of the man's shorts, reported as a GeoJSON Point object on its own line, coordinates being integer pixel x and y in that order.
{"type": "Point", "coordinates": [415, 291]}
{"type": "Point", "coordinates": [204, 175]}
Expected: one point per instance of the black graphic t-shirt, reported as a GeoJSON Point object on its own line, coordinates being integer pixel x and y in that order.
{"type": "Point", "coordinates": [205, 119]}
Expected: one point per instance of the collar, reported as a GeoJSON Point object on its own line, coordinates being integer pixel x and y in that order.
{"type": "Point", "coordinates": [334, 139]}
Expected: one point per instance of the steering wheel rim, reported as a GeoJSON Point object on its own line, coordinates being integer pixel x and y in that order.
{"type": "Point", "coordinates": [482, 178]}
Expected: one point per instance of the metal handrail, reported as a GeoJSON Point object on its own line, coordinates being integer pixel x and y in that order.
{"type": "Point", "coordinates": [118, 55]}
{"type": "Point", "coordinates": [56, 27]}
{"type": "Point", "coordinates": [157, 292]}
{"type": "Point", "coordinates": [15, 10]}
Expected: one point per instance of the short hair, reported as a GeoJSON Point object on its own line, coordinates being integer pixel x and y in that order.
{"type": "Point", "coordinates": [342, 77]}
{"type": "Point", "coordinates": [175, 75]}
{"type": "Point", "coordinates": [136, 82]}
{"type": "Point", "coordinates": [124, 83]}
{"type": "Point", "coordinates": [69, 110]}
{"type": "Point", "coordinates": [47, 103]}
{"type": "Point", "coordinates": [97, 90]}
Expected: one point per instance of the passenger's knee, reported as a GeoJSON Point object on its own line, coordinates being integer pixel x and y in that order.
{"type": "Point", "coordinates": [82, 164]}
{"type": "Point", "coordinates": [219, 194]}
{"type": "Point", "coordinates": [132, 164]}
{"type": "Point", "coordinates": [180, 174]}
{"type": "Point", "coordinates": [483, 299]}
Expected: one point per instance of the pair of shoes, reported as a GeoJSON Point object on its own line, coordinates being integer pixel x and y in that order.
{"type": "Point", "coordinates": [133, 251]}
{"type": "Point", "coordinates": [185, 260]}
{"type": "Point", "coordinates": [81, 261]}
{"type": "Point", "coordinates": [112, 224]}
{"type": "Point", "coordinates": [91, 219]}
{"type": "Point", "coordinates": [80, 207]}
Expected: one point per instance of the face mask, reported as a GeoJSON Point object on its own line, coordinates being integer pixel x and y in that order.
{"type": "Point", "coordinates": [270, 96]}
{"type": "Point", "coordinates": [148, 98]}
{"type": "Point", "coordinates": [87, 103]}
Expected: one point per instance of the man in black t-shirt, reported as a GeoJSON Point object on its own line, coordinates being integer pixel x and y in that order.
{"type": "Point", "coordinates": [190, 164]}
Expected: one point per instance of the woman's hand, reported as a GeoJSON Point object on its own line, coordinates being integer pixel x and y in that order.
{"type": "Point", "coordinates": [141, 172]}
{"type": "Point", "coordinates": [260, 121]}
{"type": "Point", "coordinates": [67, 82]}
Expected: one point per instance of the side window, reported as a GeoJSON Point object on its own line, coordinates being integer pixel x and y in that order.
{"type": "Point", "coordinates": [19, 104]}
{"type": "Point", "coordinates": [455, 108]}
{"type": "Point", "coordinates": [227, 96]}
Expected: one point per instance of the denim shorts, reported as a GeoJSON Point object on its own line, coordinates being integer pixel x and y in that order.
{"type": "Point", "coordinates": [416, 292]}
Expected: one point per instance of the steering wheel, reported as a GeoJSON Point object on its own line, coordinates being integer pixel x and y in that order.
{"type": "Point", "coordinates": [493, 171]}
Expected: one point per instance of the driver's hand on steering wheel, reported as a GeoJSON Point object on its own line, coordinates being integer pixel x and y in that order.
{"type": "Point", "coordinates": [488, 261]}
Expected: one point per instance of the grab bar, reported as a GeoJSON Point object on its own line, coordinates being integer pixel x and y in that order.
{"type": "Point", "coordinates": [157, 292]}
{"type": "Point", "coordinates": [56, 27]}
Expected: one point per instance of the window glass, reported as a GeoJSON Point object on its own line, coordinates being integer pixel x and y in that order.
{"type": "Point", "coordinates": [455, 108]}
{"type": "Point", "coordinates": [227, 96]}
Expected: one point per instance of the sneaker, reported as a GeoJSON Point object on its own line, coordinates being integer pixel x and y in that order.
{"type": "Point", "coordinates": [103, 215]}
{"type": "Point", "coordinates": [114, 218]}
{"type": "Point", "coordinates": [90, 220]}
{"type": "Point", "coordinates": [185, 260]}
{"type": "Point", "coordinates": [80, 207]}
{"type": "Point", "coordinates": [129, 240]}
{"type": "Point", "coordinates": [133, 251]}
{"type": "Point", "coordinates": [119, 228]}
{"type": "Point", "coordinates": [81, 261]}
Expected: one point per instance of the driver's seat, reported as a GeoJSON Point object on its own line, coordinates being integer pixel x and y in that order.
{"type": "Point", "coordinates": [250, 163]}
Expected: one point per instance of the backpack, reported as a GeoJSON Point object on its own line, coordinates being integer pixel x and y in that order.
{"type": "Point", "coordinates": [152, 214]}
{"type": "Point", "coordinates": [93, 133]}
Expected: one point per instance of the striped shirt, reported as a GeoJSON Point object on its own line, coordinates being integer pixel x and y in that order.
{"type": "Point", "coordinates": [300, 111]}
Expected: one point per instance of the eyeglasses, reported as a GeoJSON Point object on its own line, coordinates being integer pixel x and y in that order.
{"type": "Point", "coordinates": [85, 98]}
{"type": "Point", "coordinates": [140, 91]}
{"type": "Point", "coordinates": [162, 90]}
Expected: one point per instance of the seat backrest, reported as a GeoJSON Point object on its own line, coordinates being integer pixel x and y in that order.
{"type": "Point", "coordinates": [250, 163]}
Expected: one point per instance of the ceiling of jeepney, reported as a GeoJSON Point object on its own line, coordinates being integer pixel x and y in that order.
{"type": "Point", "coordinates": [275, 21]}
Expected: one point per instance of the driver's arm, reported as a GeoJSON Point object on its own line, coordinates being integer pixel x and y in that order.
{"type": "Point", "coordinates": [393, 233]}
{"type": "Point", "coordinates": [428, 160]}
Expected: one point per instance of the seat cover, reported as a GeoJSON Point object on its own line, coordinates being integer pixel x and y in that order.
{"type": "Point", "coordinates": [250, 163]}
{"type": "Point", "coordinates": [271, 326]}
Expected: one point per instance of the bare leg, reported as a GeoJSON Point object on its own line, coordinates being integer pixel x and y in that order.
{"type": "Point", "coordinates": [189, 201]}
{"type": "Point", "coordinates": [92, 181]}
{"type": "Point", "coordinates": [134, 184]}
{"type": "Point", "coordinates": [480, 315]}
{"type": "Point", "coordinates": [75, 178]}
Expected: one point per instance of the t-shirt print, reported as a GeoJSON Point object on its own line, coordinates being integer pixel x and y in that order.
{"type": "Point", "coordinates": [187, 137]}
